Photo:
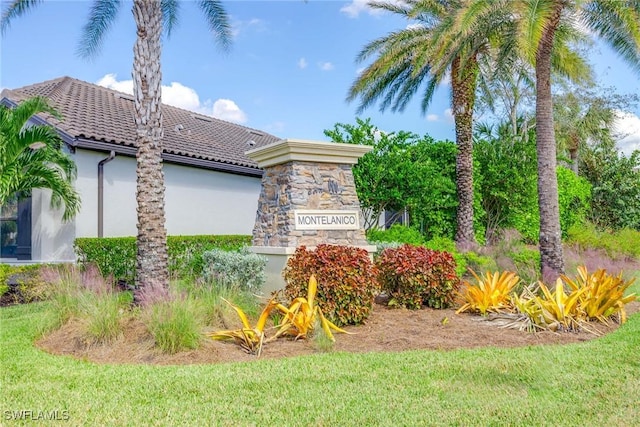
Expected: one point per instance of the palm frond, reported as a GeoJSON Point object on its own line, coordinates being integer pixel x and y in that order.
{"type": "Point", "coordinates": [218, 21]}
{"type": "Point", "coordinates": [170, 15]}
{"type": "Point", "coordinates": [102, 15]}
{"type": "Point", "coordinates": [15, 9]}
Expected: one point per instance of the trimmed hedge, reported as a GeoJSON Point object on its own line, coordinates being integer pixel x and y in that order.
{"type": "Point", "coordinates": [116, 256]}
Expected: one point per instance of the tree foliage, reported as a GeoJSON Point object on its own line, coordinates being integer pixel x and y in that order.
{"type": "Point", "coordinates": [615, 180]}
{"type": "Point", "coordinates": [403, 171]}
{"type": "Point", "coordinates": [31, 157]}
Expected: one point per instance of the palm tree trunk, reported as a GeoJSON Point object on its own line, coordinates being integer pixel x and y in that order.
{"type": "Point", "coordinates": [551, 256]}
{"type": "Point", "coordinates": [463, 84]}
{"type": "Point", "coordinates": [152, 270]}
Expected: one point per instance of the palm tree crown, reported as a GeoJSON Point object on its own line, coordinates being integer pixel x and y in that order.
{"type": "Point", "coordinates": [31, 157]}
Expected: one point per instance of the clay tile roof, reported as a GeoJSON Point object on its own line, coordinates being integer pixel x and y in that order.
{"type": "Point", "coordinates": [96, 113]}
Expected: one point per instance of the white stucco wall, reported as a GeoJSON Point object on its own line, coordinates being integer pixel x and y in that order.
{"type": "Point", "coordinates": [197, 201]}
{"type": "Point", "coordinates": [51, 238]}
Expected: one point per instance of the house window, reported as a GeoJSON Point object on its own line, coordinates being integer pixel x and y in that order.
{"type": "Point", "coordinates": [15, 229]}
{"type": "Point", "coordinates": [9, 229]}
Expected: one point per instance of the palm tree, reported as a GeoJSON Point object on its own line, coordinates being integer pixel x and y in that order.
{"type": "Point", "coordinates": [426, 52]}
{"type": "Point", "coordinates": [444, 43]}
{"type": "Point", "coordinates": [151, 18]}
{"type": "Point", "coordinates": [618, 23]}
{"type": "Point", "coordinates": [541, 25]}
{"type": "Point", "coordinates": [31, 157]}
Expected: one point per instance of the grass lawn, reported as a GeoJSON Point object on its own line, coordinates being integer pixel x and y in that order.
{"type": "Point", "coordinates": [593, 383]}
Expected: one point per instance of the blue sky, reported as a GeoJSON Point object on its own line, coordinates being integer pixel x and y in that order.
{"type": "Point", "coordinates": [287, 72]}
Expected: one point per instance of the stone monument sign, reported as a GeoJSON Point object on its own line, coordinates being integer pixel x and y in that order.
{"type": "Point", "coordinates": [308, 197]}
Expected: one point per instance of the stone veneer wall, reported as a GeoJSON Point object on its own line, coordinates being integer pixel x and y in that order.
{"type": "Point", "coordinates": [305, 185]}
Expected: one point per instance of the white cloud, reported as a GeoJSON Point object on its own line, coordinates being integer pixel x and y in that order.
{"type": "Point", "coordinates": [627, 129]}
{"type": "Point", "coordinates": [182, 96]}
{"type": "Point", "coordinates": [226, 109]}
{"type": "Point", "coordinates": [109, 81]}
{"type": "Point", "coordinates": [432, 117]}
{"type": "Point", "coordinates": [360, 70]}
{"type": "Point", "coordinates": [302, 63]}
{"type": "Point", "coordinates": [326, 66]}
{"type": "Point", "coordinates": [255, 24]}
{"type": "Point", "coordinates": [353, 9]}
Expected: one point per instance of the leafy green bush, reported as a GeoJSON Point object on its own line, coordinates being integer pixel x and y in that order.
{"type": "Point", "coordinates": [446, 244]}
{"type": "Point", "coordinates": [479, 263]}
{"type": "Point", "coordinates": [574, 194]}
{"type": "Point", "coordinates": [346, 281]}
{"type": "Point", "coordinates": [622, 243]}
{"type": "Point", "coordinates": [241, 269]}
{"type": "Point", "coordinates": [175, 325]}
{"type": "Point", "coordinates": [414, 276]}
{"type": "Point", "coordinates": [397, 233]}
{"type": "Point", "coordinates": [116, 256]}
{"type": "Point", "coordinates": [29, 286]}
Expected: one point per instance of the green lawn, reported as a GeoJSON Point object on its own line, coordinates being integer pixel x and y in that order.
{"type": "Point", "coordinates": [593, 383]}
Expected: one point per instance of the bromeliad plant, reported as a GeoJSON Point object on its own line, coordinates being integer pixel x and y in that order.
{"type": "Point", "coordinates": [302, 316]}
{"type": "Point", "coordinates": [299, 321]}
{"type": "Point", "coordinates": [604, 296]}
{"type": "Point", "coordinates": [251, 339]}
{"type": "Point", "coordinates": [490, 294]}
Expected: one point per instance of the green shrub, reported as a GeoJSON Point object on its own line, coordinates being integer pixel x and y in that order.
{"type": "Point", "coordinates": [445, 244]}
{"type": "Point", "coordinates": [574, 194]}
{"type": "Point", "coordinates": [396, 233]}
{"type": "Point", "coordinates": [527, 263]}
{"type": "Point", "coordinates": [175, 325]}
{"type": "Point", "coordinates": [346, 281]}
{"type": "Point", "coordinates": [622, 243]}
{"type": "Point", "coordinates": [30, 287]}
{"type": "Point", "coordinates": [413, 276]}
{"type": "Point", "coordinates": [116, 256]}
{"type": "Point", "coordinates": [479, 263]}
{"type": "Point", "coordinates": [241, 269]}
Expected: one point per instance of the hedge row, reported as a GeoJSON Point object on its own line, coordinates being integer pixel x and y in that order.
{"type": "Point", "coordinates": [116, 256]}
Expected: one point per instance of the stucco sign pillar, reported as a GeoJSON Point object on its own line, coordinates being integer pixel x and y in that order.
{"type": "Point", "coordinates": [308, 197]}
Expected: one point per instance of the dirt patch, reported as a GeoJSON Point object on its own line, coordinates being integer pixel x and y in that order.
{"type": "Point", "coordinates": [386, 330]}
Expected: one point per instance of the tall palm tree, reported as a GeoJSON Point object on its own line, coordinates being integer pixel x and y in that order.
{"type": "Point", "coordinates": [31, 157]}
{"type": "Point", "coordinates": [151, 18]}
{"type": "Point", "coordinates": [617, 22]}
{"type": "Point", "coordinates": [540, 25]}
{"type": "Point", "coordinates": [426, 52]}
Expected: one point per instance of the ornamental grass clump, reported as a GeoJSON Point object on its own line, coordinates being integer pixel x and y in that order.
{"type": "Point", "coordinates": [413, 276]}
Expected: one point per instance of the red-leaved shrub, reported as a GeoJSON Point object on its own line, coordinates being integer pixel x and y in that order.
{"type": "Point", "coordinates": [346, 281]}
{"type": "Point", "coordinates": [413, 276]}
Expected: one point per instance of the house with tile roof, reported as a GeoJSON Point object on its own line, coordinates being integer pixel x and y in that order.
{"type": "Point", "coordinates": [211, 186]}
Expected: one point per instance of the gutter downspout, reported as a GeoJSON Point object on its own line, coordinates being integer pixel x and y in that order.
{"type": "Point", "coordinates": [101, 164]}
